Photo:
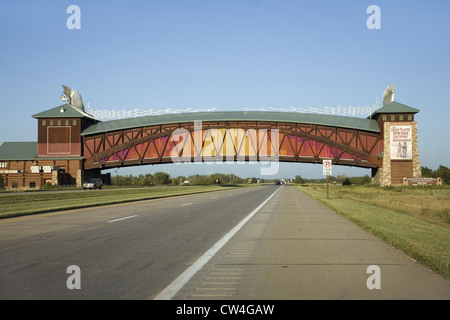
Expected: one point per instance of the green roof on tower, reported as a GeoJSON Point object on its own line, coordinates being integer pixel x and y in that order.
{"type": "Point", "coordinates": [395, 107]}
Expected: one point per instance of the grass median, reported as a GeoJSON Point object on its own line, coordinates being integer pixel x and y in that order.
{"type": "Point", "coordinates": [424, 238]}
{"type": "Point", "coordinates": [19, 204]}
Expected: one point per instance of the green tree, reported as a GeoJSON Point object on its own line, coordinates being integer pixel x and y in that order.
{"type": "Point", "coordinates": [178, 180]}
{"type": "Point", "coordinates": [160, 178]}
{"type": "Point", "coordinates": [148, 179]}
{"type": "Point", "coordinates": [443, 172]}
{"type": "Point", "coordinates": [427, 172]}
{"type": "Point", "coordinates": [299, 179]}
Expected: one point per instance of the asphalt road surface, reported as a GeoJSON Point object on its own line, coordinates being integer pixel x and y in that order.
{"type": "Point", "coordinates": [267, 242]}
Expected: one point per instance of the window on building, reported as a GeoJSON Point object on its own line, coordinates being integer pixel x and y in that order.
{"type": "Point", "coordinates": [74, 122]}
{"type": "Point", "coordinates": [384, 117]}
{"type": "Point", "coordinates": [67, 122]}
{"type": "Point", "coordinates": [44, 122]}
{"type": "Point", "coordinates": [51, 122]}
{"type": "Point", "coordinates": [400, 117]}
{"type": "Point", "coordinates": [409, 117]}
{"type": "Point", "coordinates": [32, 184]}
{"type": "Point", "coordinates": [59, 122]}
{"type": "Point", "coordinates": [14, 185]}
{"type": "Point", "coordinates": [392, 117]}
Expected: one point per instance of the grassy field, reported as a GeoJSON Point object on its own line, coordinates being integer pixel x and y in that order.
{"type": "Point", "coordinates": [431, 204]}
{"type": "Point", "coordinates": [23, 203]}
{"type": "Point", "coordinates": [414, 220]}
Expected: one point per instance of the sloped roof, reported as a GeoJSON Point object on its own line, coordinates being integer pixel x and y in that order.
{"type": "Point", "coordinates": [396, 107]}
{"type": "Point", "coordinates": [64, 111]}
{"type": "Point", "coordinates": [305, 118]}
{"type": "Point", "coordinates": [21, 151]}
{"type": "Point", "coordinates": [18, 151]}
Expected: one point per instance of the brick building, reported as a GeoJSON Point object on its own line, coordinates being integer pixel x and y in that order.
{"type": "Point", "coordinates": [56, 157]}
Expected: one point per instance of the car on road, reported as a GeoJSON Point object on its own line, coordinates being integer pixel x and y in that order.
{"type": "Point", "coordinates": [93, 183]}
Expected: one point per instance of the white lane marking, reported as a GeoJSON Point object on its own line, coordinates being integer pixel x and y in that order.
{"type": "Point", "coordinates": [186, 204]}
{"type": "Point", "coordinates": [173, 288]}
{"type": "Point", "coordinates": [129, 217]}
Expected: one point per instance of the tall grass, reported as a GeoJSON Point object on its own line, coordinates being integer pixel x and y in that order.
{"type": "Point", "coordinates": [428, 203]}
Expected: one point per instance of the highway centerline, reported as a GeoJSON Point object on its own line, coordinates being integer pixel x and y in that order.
{"type": "Point", "coordinates": [115, 220]}
{"type": "Point", "coordinates": [173, 288]}
{"type": "Point", "coordinates": [186, 204]}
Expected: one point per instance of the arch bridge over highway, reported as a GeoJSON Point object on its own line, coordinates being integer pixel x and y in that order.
{"type": "Point", "coordinates": [73, 145]}
{"type": "Point", "coordinates": [233, 136]}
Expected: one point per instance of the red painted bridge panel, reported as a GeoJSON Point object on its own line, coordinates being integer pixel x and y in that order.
{"type": "Point", "coordinates": [232, 141]}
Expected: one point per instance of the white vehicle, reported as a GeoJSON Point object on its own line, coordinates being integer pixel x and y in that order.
{"type": "Point", "coordinates": [94, 183]}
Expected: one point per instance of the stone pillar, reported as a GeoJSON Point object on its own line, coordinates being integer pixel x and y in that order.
{"type": "Point", "coordinates": [79, 179]}
{"type": "Point", "coordinates": [55, 178]}
{"type": "Point", "coordinates": [417, 172]}
{"type": "Point", "coordinates": [384, 178]}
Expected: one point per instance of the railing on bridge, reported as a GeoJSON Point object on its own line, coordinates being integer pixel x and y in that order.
{"type": "Point", "coordinates": [351, 111]}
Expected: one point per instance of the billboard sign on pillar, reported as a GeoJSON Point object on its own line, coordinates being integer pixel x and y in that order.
{"type": "Point", "coordinates": [401, 142]}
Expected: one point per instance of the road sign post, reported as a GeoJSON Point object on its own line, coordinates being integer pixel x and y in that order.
{"type": "Point", "coordinates": [326, 172]}
{"type": "Point", "coordinates": [328, 189]}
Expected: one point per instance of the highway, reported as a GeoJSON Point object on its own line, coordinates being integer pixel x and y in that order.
{"type": "Point", "coordinates": [266, 242]}
{"type": "Point", "coordinates": [132, 258]}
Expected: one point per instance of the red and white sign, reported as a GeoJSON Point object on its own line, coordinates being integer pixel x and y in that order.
{"type": "Point", "coordinates": [327, 167]}
{"type": "Point", "coordinates": [422, 181]}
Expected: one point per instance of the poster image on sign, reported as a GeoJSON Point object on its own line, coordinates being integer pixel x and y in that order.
{"type": "Point", "coordinates": [401, 143]}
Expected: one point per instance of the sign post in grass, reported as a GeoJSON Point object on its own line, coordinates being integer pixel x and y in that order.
{"type": "Point", "coordinates": [327, 172]}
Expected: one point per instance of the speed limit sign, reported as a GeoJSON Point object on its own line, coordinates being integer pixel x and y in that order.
{"type": "Point", "coordinates": [327, 167]}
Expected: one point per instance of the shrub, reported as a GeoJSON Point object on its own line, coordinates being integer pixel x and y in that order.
{"type": "Point", "coordinates": [346, 182]}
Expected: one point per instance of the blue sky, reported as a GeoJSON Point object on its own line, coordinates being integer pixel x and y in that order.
{"type": "Point", "coordinates": [227, 54]}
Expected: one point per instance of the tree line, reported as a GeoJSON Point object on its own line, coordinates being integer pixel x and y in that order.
{"type": "Point", "coordinates": [340, 179]}
{"type": "Point", "coordinates": [163, 178]}
{"type": "Point", "coordinates": [442, 172]}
